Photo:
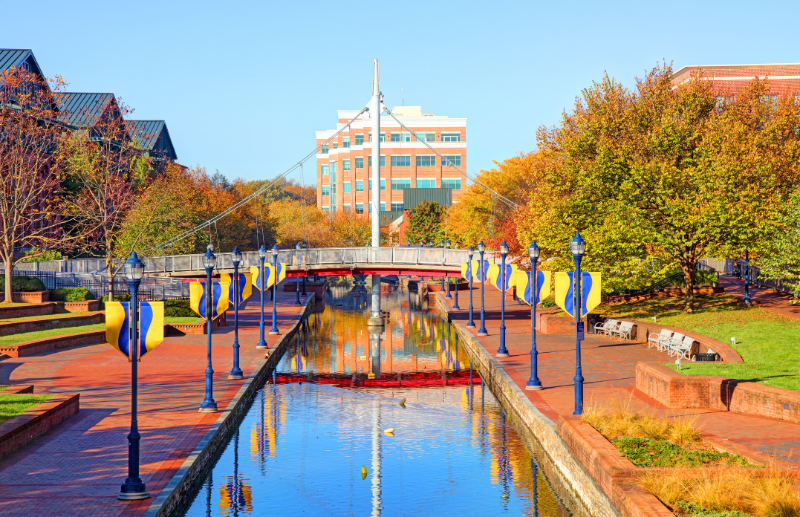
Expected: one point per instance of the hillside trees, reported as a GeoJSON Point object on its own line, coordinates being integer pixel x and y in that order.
{"type": "Point", "coordinates": [426, 223]}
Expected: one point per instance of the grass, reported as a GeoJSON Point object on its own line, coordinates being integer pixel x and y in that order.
{"type": "Point", "coordinates": [725, 492]}
{"type": "Point", "coordinates": [12, 304]}
{"type": "Point", "coordinates": [182, 319]}
{"type": "Point", "coordinates": [31, 336]}
{"type": "Point", "coordinates": [644, 452]}
{"type": "Point", "coordinates": [768, 343]}
{"type": "Point", "coordinates": [13, 405]}
{"type": "Point", "coordinates": [43, 317]}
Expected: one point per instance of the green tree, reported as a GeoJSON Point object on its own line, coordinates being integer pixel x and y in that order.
{"type": "Point", "coordinates": [426, 223]}
{"type": "Point", "coordinates": [783, 260]}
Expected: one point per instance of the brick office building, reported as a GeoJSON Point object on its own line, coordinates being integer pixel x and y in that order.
{"type": "Point", "coordinates": [344, 165]}
{"type": "Point", "coordinates": [731, 80]}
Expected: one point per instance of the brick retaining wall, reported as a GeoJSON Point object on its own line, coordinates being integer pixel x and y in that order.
{"type": "Point", "coordinates": [28, 297]}
{"type": "Point", "coordinates": [18, 327]}
{"type": "Point", "coordinates": [23, 311]}
{"type": "Point", "coordinates": [20, 430]}
{"type": "Point", "coordinates": [54, 343]}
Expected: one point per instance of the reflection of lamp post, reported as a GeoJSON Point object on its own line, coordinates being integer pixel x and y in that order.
{"type": "Point", "coordinates": [470, 323]}
{"type": "Point", "coordinates": [209, 405]}
{"type": "Point", "coordinates": [503, 351]}
{"type": "Point", "coordinates": [262, 254]}
{"type": "Point", "coordinates": [305, 256]}
{"type": "Point", "coordinates": [376, 457]}
{"type": "Point", "coordinates": [534, 472]}
{"type": "Point", "coordinates": [578, 247]}
{"type": "Point", "coordinates": [534, 383]}
{"type": "Point", "coordinates": [297, 287]}
{"type": "Point", "coordinates": [236, 258]}
{"type": "Point", "coordinates": [375, 338]}
{"type": "Point", "coordinates": [133, 488]}
{"type": "Point", "coordinates": [274, 329]}
{"type": "Point", "coordinates": [482, 269]}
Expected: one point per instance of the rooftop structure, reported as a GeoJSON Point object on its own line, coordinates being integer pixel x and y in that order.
{"type": "Point", "coordinates": [730, 80]}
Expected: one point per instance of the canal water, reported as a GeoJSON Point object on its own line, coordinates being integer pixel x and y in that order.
{"type": "Point", "coordinates": [325, 450]}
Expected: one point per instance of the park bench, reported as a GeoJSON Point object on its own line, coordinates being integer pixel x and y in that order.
{"type": "Point", "coordinates": [660, 340]}
{"type": "Point", "coordinates": [675, 343]}
{"type": "Point", "coordinates": [623, 331]}
{"type": "Point", "coordinates": [606, 327]}
{"type": "Point", "coordinates": [685, 348]}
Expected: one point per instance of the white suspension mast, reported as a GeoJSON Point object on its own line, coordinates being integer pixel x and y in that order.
{"type": "Point", "coordinates": [376, 319]}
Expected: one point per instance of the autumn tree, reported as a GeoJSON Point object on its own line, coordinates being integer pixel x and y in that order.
{"type": "Point", "coordinates": [661, 176]}
{"type": "Point", "coordinates": [426, 223]}
{"type": "Point", "coordinates": [31, 170]}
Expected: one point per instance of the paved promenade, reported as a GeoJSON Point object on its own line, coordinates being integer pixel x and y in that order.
{"type": "Point", "coordinates": [77, 468]}
{"type": "Point", "coordinates": [609, 368]}
{"type": "Point", "coordinates": [763, 297]}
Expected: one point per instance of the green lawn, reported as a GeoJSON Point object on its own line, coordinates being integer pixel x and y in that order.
{"type": "Point", "coordinates": [768, 343]}
{"type": "Point", "coordinates": [30, 336]}
{"type": "Point", "coordinates": [182, 319]}
{"type": "Point", "coordinates": [45, 317]}
{"type": "Point", "coordinates": [13, 405]}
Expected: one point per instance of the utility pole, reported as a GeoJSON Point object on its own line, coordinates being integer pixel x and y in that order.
{"type": "Point", "coordinates": [376, 319]}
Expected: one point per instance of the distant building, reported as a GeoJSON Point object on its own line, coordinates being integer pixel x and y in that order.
{"type": "Point", "coordinates": [344, 165]}
{"type": "Point", "coordinates": [152, 137]}
{"type": "Point", "coordinates": [731, 80]}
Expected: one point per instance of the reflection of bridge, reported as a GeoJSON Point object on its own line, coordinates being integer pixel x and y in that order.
{"type": "Point", "coordinates": [308, 261]}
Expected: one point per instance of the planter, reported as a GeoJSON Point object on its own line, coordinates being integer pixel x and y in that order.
{"type": "Point", "coordinates": [87, 306]}
{"type": "Point", "coordinates": [54, 343]}
{"type": "Point", "coordinates": [22, 429]}
{"type": "Point", "coordinates": [198, 328]}
{"type": "Point", "coordinates": [28, 297]}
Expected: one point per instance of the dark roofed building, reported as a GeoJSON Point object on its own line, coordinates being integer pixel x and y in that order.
{"type": "Point", "coordinates": [19, 58]}
{"type": "Point", "coordinates": [86, 110]}
{"type": "Point", "coordinates": [152, 136]}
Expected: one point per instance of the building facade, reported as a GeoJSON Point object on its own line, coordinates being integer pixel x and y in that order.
{"type": "Point", "coordinates": [344, 165]}
{"type": "Point", "coordinates": [731, 80]}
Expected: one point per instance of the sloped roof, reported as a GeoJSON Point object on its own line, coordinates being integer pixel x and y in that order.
{"type": "Point", "coordinates": [82, 109]}
{"type": "Point", "coordinates": [17, 57]}
{"type": "Point", "coordinates": [152, 136]}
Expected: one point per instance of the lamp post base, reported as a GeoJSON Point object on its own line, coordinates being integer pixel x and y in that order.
{"type": "Point", "coordinates": [132, 496]}
{"type": "Point", "coordinates": [500, 354]}
{"type": "Point", "coordinates": [482, 334]}
{"type": "Point", "coordinates": [208, 410]}
{"type": "Point", "coordinates": [235, 377]}
{"type": "Point", "coordinates": [533, 388]}
{"type": "Point", "coordinates": [471, 326]}
{"type": "Point", "coordinates": [262, 347]}
{"type": "Point", "coordinates": [273, 333]}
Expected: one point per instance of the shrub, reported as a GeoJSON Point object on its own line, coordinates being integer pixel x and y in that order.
{"type": "Point", "coordinates": [550, 301]}
{"type": "Point", "coordinates": [71, 294]}
{"type": "Point", "coordinates": [22, 284]}
{"type": "Point", "coordinates": [178, 309]}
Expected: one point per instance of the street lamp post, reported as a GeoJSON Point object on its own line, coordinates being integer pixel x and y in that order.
{"type": "Point", "coordinates": [133, 488]}
{"type": "Point", "coordinates": [274, 330]}
{"type": "Point", "coordinates": [747, 276]}
{"type": "Point", "coordinates": [262, 254]}
{"type": "Point", "coordinates": [534, 383]}
{"type": "Point", "coordinates": [578, 247]}
{"type": "Point", "coordinates": [236, 258]}
{"type": "Point", "coordinates": [482, 269]}
{"type": "Point", "coordinates": [447, 245]}
{"type": "Point", "coordinates": [304, 276]}
{"type": "Point", "coordinates": [470, 252]}
{"type": "Point", "coordinates": [442, 245]}
{"type": "Point", "coordinates": [297, 287]}
{"type": "Point", "coordinates": [503, 351]}
{"type": "Point", "coordinates": [209, 405]}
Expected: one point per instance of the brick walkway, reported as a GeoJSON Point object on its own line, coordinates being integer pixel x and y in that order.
{"type": "Point", "coordinates": [77, 469]}
{"type": "Point", "coordinates": [609, 374]}
{"type": "Point", "coordinates": [767, 298]}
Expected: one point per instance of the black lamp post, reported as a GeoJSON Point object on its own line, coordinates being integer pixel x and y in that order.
{"type": "Point", "coordinates": [482, 270]}
{"type": "Point", "coordinates": [274, 330]}
{"type": "Point", "coordinates": [534, 383]}
{"type": "Point", "coordinates": [133, 488]}
{"type": "Point", "coordinates": [442, 245]}
{"type": "Point", "coordinates": [470, 252]}
{"type": "Point", "coordinates": [236, 258]}
{"type": "Point", "coordinates": [209, 405]}
{"type": "Point", "coordinates": [297, 287]}
{"type": "Point", "coordinates": [444, 260]}
{"type": "Point", "coordinates": [747, 276]}
{"type": "Point", "coordinates": [503, 351]}
{"type": "Point", "coordinates": [305, 256]}
{"type": "Point", "coordinates": [578, 247]}
{"type": "Point", "coordinates": [262, 254]}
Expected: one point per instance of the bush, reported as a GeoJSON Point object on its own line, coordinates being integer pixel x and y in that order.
{"type": "Point", "coordinates": [22, 284]}
{"type": "Point", "coordinates": [550, 301]}
{"type": "Point", "coordinates": [71, 294]}
{"type": "Point", "coordinates": [46, 255]}
{"type": "Point", "coordinates": [178, 309]}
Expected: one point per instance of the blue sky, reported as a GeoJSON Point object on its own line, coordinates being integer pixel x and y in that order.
{"type": "Point", "coordinates": [243, 85]}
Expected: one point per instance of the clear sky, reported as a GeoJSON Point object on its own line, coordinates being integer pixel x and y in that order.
{"type": "Point", "coordinates": [243, 85]}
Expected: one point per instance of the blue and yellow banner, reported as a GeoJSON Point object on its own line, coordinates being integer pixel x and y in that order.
{"type": "Point", "coordinates": [480, 273]}
{"type": "Point", "coordinates": [270, 276]}
{"type": "Point", "coordinates": [524, 285]}
{"type": "Point", "coordinates": [245, 286]}
{"type": "Point", "coordinates": [118, 328]}
{"type": "Point", "coordinates": [466, 270]}
{"type": "Point", "coordinates": [496, 277]}
{"type": "Point", "coordinates": [219, 298]}
{"type": "Point", "coordinates": [235, 495]}
{"type": "Point", "coordinates": [590, 292]}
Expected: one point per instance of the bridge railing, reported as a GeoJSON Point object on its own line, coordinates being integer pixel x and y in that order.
{"type": "Point", "coordinates": [309, 257]}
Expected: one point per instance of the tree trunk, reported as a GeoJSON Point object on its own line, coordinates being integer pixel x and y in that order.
{"type": "Point", "coordinates": [689, 267]}
{"type": "Point", "coordinates": [8, 264]}
{"type": "Point", "coordinates": [110, 274]}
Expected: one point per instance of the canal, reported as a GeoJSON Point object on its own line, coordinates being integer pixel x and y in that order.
{"type": "Point", "coordinates": [318, 438]}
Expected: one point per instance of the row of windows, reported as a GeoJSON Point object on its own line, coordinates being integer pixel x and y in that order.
{"type": "Point", "coordinates": [401, 184]}
{"type": "Point", "coordinates": [395, 137]}
{"type": "Point", "coordinates": [396, 161]}
{"type": "Point", "coordinates": [398, 184]}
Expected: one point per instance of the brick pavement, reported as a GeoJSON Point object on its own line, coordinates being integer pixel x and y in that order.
{"type": "Point", "coordinates": [77, 468]}
{"type": "Point", "coordinates": [764, 297]}
{"type": "Point", "coordinates": [609, 374]}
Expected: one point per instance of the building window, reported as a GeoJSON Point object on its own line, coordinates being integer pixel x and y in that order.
{"type": "Point", "coordinates": [333, 167]}
{"type": "Point", "coordinates": [454, 160]}
{"type": "Point", "coordinates": [401, 161]}
{"type": "Point", "coordinates": [451, 137]}
{"type": "Point", "coordinates": [383, 207]}
{"type": "Point", "coordinates": [359, 208]}
{"type": "Point", "coordinates": [336, 145]}
{"type": "Point", "coordinates": [359, 140]}
{"type": "Point", "coordinates": [346, 187]}
{"type": "Point", "coordinates": [333, 183]}
{"type": "Point", "coordinates": [453, 184]}
{"type": "Point", "coordinates": [426, 183]}
{"type": "Point", "coordinates": [426, 161]}
{"type": "Point", "coordinates": [397, 207]}
{"type": "Point", "coordinates": [401, 184]}
{"type": "Point", "coordinates": [426, 137]}
{"type": "Point", "coordinates": [359, 186]}
{"type": "Point", "coordinates": [359, 163]}
{"type": "Point", "coordinates": [333, 203]}
{"type": "Point", "coordinates": [345, 142]}
{"type": "Point", "coordinates": [383, 161]}
{"type": "Point", "coordinates": [324, 149]}
{"type": "Point", "coordinates": [383, 137]}
{"type": "Point", "coordinates": [770, 100]}
{"type": "Point", "coordinates": [346, 208]}
{"type": "Point", "coordinates": [326, 190]}
{"type": "Point", "coordinates": [326, 209]}
{"type": "Point", "coordinates": [325, 170]}
{"type": "Point", "coordinates": [346, 165]}
{"type": "Point", "coordinates": [383, 184]}
{"type": "Point", "coordinates": [395, 137]}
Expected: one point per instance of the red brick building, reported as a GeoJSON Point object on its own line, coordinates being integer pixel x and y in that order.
{"type": "Point", "coordinates": [344, 165]}
{"type": "Point", "coordinates": [730, 80]}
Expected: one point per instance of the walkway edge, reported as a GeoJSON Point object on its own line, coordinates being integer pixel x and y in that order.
{"type": "Point", "coordinates": [577, 479]}
{"type": "Point", "coordinates": [174, 497]}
